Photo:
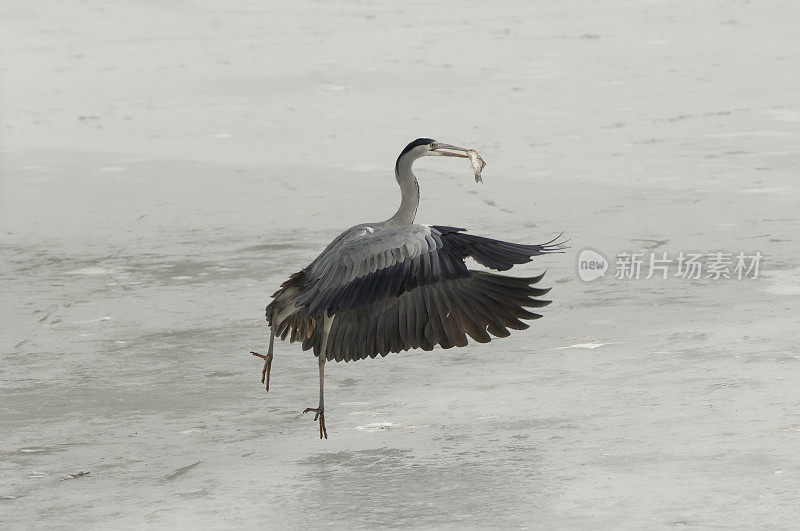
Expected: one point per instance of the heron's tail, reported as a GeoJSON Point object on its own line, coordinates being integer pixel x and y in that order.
{"type": "Point", "coordinates": [282, 313]}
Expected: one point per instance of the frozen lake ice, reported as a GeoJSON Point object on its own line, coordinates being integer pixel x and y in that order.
{"type": "Point", "coordinates": [165, 167]}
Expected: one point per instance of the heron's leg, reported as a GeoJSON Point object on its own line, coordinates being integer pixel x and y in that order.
{"type": "Point", "coordinates": [323, 351]}
{"type": "Point", "coordinates": [320, 409]}
{"type": "Point", "coordinates": [267, 359]}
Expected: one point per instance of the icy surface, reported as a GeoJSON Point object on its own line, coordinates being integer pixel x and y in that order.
{"type": "Point", "coordinates": [166, 165]}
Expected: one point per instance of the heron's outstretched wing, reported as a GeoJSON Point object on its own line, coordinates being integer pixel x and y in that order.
{"type": "Point", "coordinates": [443, 313]}
{"type": "Point", "coordinates": [365, 265]}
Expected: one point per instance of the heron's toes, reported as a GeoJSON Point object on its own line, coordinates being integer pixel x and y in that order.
{"type": "Point", "coordinates": [320, 415]}
{"type": "Point", "coordinates": [267, 366]}
{"type": "Point", "coordinates": [315, 410]}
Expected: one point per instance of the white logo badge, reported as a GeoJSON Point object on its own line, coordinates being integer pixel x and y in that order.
{"type": "Point", "coordinates": [591, 265]}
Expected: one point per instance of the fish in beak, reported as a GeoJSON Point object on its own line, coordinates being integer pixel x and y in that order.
{"type": "Point", "coordinates": [446, 150]}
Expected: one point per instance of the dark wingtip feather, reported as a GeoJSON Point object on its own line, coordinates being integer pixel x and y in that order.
{"type": "Point", "coordinates": [554, 246]}
{"type": "Point", "coordinates": [536, 279]}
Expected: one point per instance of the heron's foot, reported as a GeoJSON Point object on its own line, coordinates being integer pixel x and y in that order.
{"type": "Point", "coordinates": [267, 366]}
{"type": "Point", "coordinates": [320, 415]}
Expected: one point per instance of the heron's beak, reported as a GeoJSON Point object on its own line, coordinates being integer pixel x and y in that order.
{"type": "Point", "coordinates": [437, 150]}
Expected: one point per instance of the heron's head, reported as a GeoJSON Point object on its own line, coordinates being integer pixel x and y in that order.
{"type": "Point", "coordinates": [428, 147]}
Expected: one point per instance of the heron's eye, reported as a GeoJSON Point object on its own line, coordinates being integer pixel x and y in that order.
{"type": "Point", "coordinates": [433, 145]}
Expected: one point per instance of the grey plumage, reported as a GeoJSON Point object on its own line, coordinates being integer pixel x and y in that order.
{"type": "Point", "coordinates": [422, 282]}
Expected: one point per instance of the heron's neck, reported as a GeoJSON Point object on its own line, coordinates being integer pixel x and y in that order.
{"type": "Point", "coordinates": [409, 189]}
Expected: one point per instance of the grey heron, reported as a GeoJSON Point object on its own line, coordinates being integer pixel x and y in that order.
{"type": "Point", "coordinates": [396, 285]}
